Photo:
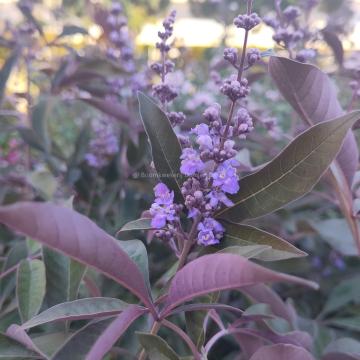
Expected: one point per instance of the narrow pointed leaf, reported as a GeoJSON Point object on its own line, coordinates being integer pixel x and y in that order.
{"type": "Point", "coordinates": [75, 235]}
{"type": "Point", "coordinates": [165, 147]}
{"type": "Point", "coordinates": [6, 71]}
{"type": "Point", "coordinates": [20, 335]}
{"type": "Point", "coordinates": [12, 349]}
{"type": "Point", "coordinates": [96, 339]}
{"type": "Point", "coordinates": [156, 347]}
{"type": "Point", "coordinates": [139, 224]}
{"type": "Point", "coordinates": [87, 308]}
{"type": "Point", "coordinates": [237, 235]}
{"type": "Point", "coordinates": [293, 173]}
{"type": "Point", "coordinates": [221, 272]}
{"type": "Point", "coordinates": [63, 277]}
{"type": "Point", "coordinates": [282, 352]}
{"type": "Point", "coordinates": [30, 290]}
{"type": "Point", "coordinates": [313, 96]}
{"type": "Point", "coordinates": [136, 250]}
{"type": "Point", "coordinates": [261, 293]}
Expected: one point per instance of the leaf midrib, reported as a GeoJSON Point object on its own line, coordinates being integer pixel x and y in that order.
{"type": "Point", "coordinates": [286, 173]}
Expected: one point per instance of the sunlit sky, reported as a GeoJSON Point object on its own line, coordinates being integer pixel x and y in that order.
{"type": "Point", "coordinates": [201, 32]}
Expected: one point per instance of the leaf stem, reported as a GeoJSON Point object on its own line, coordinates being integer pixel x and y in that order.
{"type": "Point", "coordinates": [239, 77]}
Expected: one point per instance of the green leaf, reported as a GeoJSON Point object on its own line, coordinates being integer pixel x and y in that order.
{"type": "Point", "coordinates": [337, 234]}
{"type": "Point", "coordinates": [49, 343]}
{"type": "Point", "coordinates": [6, 71]}
{"type": "Point", "coordinates": [31, 138]}
{"type": "Point", "coordinates": [72, 30]}
{"type": "Point", "coordinates": [137, 252]}
{"type": "Point", "coordinates": [39, 116]}
{"type": "Point", "coordinates": [78, 309]}
{"type": "Point", "coordinates": [30, 289]}
{"type": "Point", "coordinates": [11, 349]}
{"type": "Point", "coordinates": [17, 253]}
{"type": "Point", "coordinates": [240, 235]}
{"type": "Point", "coordinates": [349, 323]}
{"type": "Point", "coordinates": [248, 251]}
{"type": "Point", "coordinates": [156, 347]}
{"type": "Point", "coordinates": [139, 224]}
{"type": "Point", "coordinates": [63, 277]}
{"type": "Point", "coordinates": [293, 173]}
{"type": "Point", "coordinates": [165, 147]}
{"type": "Point", "coordinates": [43, 181]}
{"type": "Point", "coordinates": [346, 292]}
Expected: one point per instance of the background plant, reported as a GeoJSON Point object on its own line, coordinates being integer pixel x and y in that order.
{"type": "Point", "coordinates": [75, 130]}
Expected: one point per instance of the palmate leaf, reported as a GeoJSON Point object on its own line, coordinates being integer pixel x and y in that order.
{"type": "Point", "coordinates": [96, 339]}
{"type": "Point", "coordinates": [165, 147]}
{"type": "Point", "coordinates": [293, 173]}
{"type": "Point", "coordinates": [73, 234]}
{"type": "Point", "coordinates": [217, 272]}
{"type": "Point", "coordinates": [30, 290]}
{"type": "Point", "coordinates": [87, 308]}
{"type": "Point", "coordinates": [282, 352]}
{"type": "Point", "coordinates": [240, 235]}
{"type": "Point", "coordinates": [313, 96]}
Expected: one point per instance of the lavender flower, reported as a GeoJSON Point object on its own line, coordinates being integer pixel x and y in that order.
{"type": "Point", "coordinates": [226, 178]}
{"type": "Point", "coordinates": [104, 143]}
{"type": "Point", "coordinates": [210, 232]}
{"type": "Point", "coordinates": [209, 160]}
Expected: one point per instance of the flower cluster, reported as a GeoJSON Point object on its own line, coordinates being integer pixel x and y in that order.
{"type": "Point", "coordinates": [121, 48]}
{"type": "Point", "coordinates": [103, 145]}
{"type": "Point", "coordinates": [208, 161]}
{"type": "Point", "coordinates": [289, 33]}
{"type": "Point", "coordinates": [164, 91]}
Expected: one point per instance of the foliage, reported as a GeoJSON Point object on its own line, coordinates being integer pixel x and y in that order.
{"type": "Point", "coordinates": [250, 249]}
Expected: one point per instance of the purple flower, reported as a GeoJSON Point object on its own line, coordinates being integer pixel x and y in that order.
{"type": "Point", "coordinates": [210, 232]}
{"type": "Point", "coordinates": [226, 178]}
{"type": "Point", "coordinates": [235, 89]}
{"type": "Point", "coordinates": [163, 195]}
{"type": "Point", "coordinates": [163, 210]}
{"type": "Point", "coordinates": [230, 54]}
{"type": "Point", "coordinates": [191, 162]}
{"type": "Point", "coordinates": [161, 214]}
{"type": "Point", "coordinates": [247, 22]}
{"type": "Point", "coordinates": [216, 197]}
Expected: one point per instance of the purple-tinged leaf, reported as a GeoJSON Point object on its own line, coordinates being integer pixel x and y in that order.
{"type": "Point", "coordinates": [282, 352]}
{"type": "Point", "coordinates": [221, 272]}
{"type": "Point", "coordinates": [249, 344]}
{"type": "Point", "coordinates": [264, 294]}
{"type": "Point", "coordinates": [96, 339]}
{"type": "Point", "coordinates": [75, 235]}
{"type": "Point", "coordinates": [87, 308]}
{"type": "Point", "coordinates": [313, 96]}
{"type": "Point", "coordinates": [206, 306]}
{"type": "Point", "coordinates": [19, 334]}
{"type": "Point", "coordinates": [12, 349]}
{"type": "Point", "coordinates": [342, 349]}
